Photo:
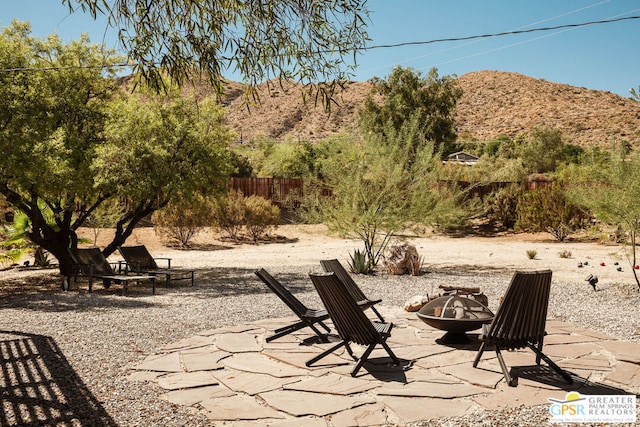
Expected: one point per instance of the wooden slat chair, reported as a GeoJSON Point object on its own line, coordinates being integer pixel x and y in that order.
{"type": "Point", "coordinates": [351, 323]}
{"type": "Point", "coordinates": [308, 317]}
{"type": "Point", "coordinates": [140, 261]}
{"type": "Point", "coordinates": [520, 321]}
{"type": "Point", "coordinates": [92, 263]}
{"type": "Point", "coordinates": [333, 265]}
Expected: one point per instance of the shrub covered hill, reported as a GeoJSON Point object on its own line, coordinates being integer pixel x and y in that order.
{"type": "Point", "coordinates": [493, 103]}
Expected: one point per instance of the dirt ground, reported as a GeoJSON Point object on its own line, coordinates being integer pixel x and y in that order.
{"type": "Point", "coordinates": [307, 244]}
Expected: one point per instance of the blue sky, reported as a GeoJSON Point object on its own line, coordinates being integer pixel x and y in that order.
{"type": "Point", "coordinates": [603, 56]}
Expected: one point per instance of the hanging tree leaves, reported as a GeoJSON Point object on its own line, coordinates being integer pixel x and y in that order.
{"type": "Point", "coordinates": [309, 41]}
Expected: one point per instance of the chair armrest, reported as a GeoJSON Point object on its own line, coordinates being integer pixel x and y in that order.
{"type": "Point", "coordinates": [168, 260]}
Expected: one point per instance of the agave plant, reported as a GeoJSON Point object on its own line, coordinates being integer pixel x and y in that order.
{"type": "Point", "coordinates": [360, 263]}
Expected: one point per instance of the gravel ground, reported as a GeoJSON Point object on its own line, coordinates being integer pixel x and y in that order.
{"type": "Point", "coordinates": [91, 342]}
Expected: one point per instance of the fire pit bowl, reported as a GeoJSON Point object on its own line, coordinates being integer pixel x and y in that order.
{"type": "Point", "coordinates": [456, 315]}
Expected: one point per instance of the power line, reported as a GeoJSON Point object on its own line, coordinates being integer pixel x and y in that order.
{"type": "Point", "coordinates": [505, 33]}
{"type": "Point", "coordinates": [382, 46]}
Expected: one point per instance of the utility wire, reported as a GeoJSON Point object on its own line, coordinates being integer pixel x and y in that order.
{"type": "Point", "coordinates": [382, 46]}
{"type": "Point", "coordinates": [506, 33]}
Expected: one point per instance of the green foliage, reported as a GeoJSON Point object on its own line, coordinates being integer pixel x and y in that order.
{"type": "Point", "coordinates": [430, 101]}
{"type": "Point", "coordinates": [548, 209]}
{"type": "Point", "coordinates": [635, 94]}
{"type": "Point", "coordinates": [544, 151]}
{"type": "Point", "coordinates": [183, 219]}
{"type": "Point", "coordinates": [611, 190]}
{"type": "Point", "coordinates": [289, 160]}
{"type": "Point", "coordinates": [360, 263]}
{"type": "Point", "coordinates": [502, 205]}
{"type": "Point", "coordinates": [71, 146]}
{"type": "Point", "coordinates": [531, 253]}
{"type": "Point", "coordinates": [305, 40]}
{"type": "Point", "coordinates": [380, 186]}
{"type": "Point", "coordinates": [241, 165]}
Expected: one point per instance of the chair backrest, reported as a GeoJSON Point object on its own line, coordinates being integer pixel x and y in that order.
{"type": "Point", "coordinates": [349, 319]}
{"type": "Point", "coordinates": [138, 257]}
{"type": "Point", "coordinates": [283, 293]}
{"type": "Point", "coordinates": [333, 265]}
{"type": "Point", "coordinates": [522, 315]}
{"type": "Point", "coordinates": [92, 261]}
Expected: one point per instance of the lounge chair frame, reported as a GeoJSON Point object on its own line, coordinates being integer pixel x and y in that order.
{"type": "Point", "coordinates": [520, 321]}
{"type": "Point", "coordinates": [140, 261]}
{"type": "Point", "coordinates": [333, 265]}
{"type": "Point", "coordinates": [92, 263]}
{"type": "Point", "coordinates": [307, 317]}
{"type": "Point", "coordinates": [352, 324]}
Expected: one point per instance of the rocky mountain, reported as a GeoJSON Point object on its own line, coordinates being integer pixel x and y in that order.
{"type": "Point", "coordinates": [493, 103]}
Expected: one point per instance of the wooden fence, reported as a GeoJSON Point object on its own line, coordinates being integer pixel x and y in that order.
{"type": "Point", "coordinates": [287, 192]}
{"type": "Point", "coordinates": [281, 191]}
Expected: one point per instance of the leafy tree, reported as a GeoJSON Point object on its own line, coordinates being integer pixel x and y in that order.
{"type": "Point", "coordinates": [70, 147]}
{"type": "Point", "coordinates": [544, 151]}
{"type": "Point", "coordinates": [611, 191]}
{"type": "Point", "coordinates": [289, 160]}
{"type": "Point", "coordinates": [378, 190]}
{"type": "Point", "coordinates": [49, 122]}
{"type": "Point", "coordinates": [159, 149]}
{"type": "Point", "coordinates": [306, 40]}
{"type": "Point", "coordinates": [406, 95]}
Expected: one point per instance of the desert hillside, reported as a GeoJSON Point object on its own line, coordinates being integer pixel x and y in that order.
{"type": "Point", "coordinates": [493, 103]}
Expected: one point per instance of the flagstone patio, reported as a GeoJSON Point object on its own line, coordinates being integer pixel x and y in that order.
{"type": "Point", "coordinates": [234, 376]}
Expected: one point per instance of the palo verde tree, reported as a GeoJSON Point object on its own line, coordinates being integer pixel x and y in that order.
{"type": "Point", "coordinates": [379, 188]}
{"type": "Point", "coordinates": [308, 41]}
{"type": "Point", "coordinates": [69, 146]}
{"type": "Point", "coordinates": [406, 95]}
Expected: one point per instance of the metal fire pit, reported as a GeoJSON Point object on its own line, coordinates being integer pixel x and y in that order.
{"type": "Point", "coordinates": [456, 315]}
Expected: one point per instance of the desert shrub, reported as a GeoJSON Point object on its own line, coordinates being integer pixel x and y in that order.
{"type": "Point", "coordinates": [548, 209]}
{"type": "Point", "coordinates": [229, 213]}
{"type": "Point", "coordinates": [564, 254]}
{"type": "Point", "coordinates": [501, 207]}
{"type": "Point", "coordinates": [531, 253]}
{"type": "Point", "coordinates": [260, 216]}
{"type": "Point", "coordinates": [182, 219]}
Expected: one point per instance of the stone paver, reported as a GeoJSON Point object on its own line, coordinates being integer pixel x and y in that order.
{"type": "Point", "coordinates": [191, 396]}
{"type": "Point", "coordinates": [261, 364]}
{"type": "Point", "coordinates": [332, 384]}
{"type": "Point", "coordinates": [163, 363]}
{"type": "Point", "coordinates": [186, 380]}
{"type": "Point", "coordinates": [238, 343]}
{"type": "Point", "coordinates": [238, 408]}
{"type": "Point", "coordinates": [251, 383]}
{"type": "Point", "coordinates": [204, 361]}
{"type": "Point", "coordinates": [300, 403]}
{"type": "Point", "coordinates": [365, 415]}
{"type": "Point", "coordinates": [236, 378]}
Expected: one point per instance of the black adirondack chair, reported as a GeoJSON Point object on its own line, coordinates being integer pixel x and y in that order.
{"type": "Point", "coordinates": [140, 261]}
{"type": "Point", "coordinates": [307, 317]}
{"type": "Point", "coordinates": [352, 324]}
{"type": "Point", "coordinates": [520, 321]}
{"type": "Point", "coordinates": [333, 265]}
